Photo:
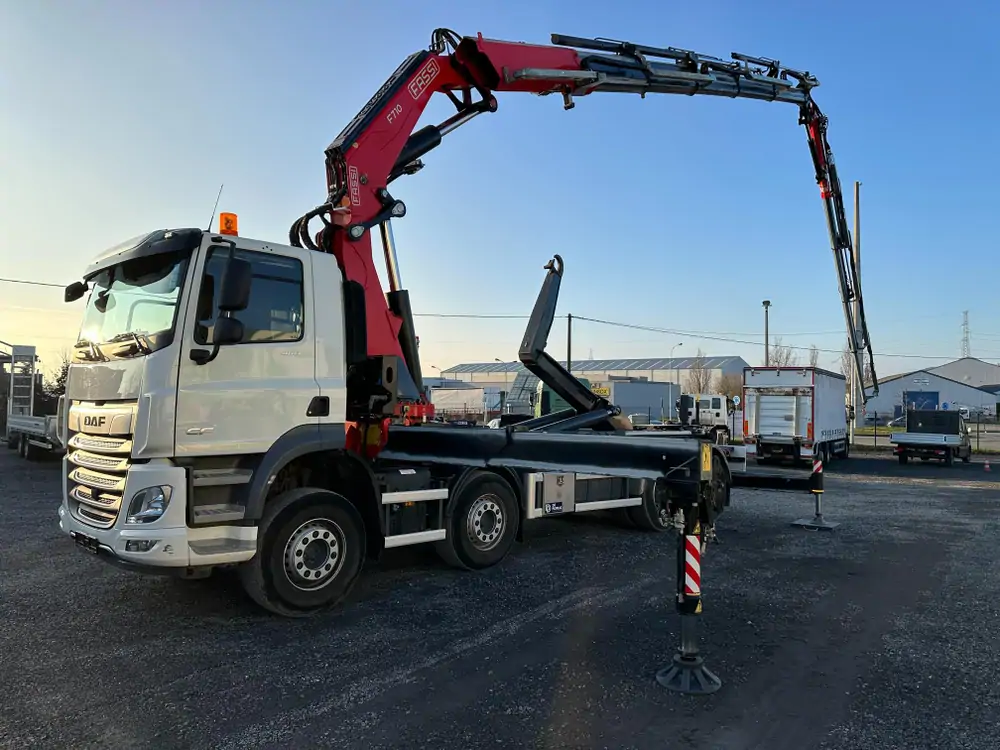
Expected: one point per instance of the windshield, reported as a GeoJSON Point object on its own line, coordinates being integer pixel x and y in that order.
{"type": "Point", "coordinates": [135, 303]}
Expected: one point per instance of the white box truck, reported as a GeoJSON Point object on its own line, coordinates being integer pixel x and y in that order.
{"type": "Point", "coordinates": [794, 413]}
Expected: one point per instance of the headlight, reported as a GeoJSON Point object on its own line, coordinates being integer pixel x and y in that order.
{"type": "Point", "coordinates": [148, 505]}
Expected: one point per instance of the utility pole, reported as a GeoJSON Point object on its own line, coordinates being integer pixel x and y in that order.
{"type": "Point", "coordinates": [966, 347]}
{"type": "Point", "coordinates": [767, 353]}
{"type": "Point", "coordinates": [857, 378]}
{"type": "Point", "coordinates": [569, 342]}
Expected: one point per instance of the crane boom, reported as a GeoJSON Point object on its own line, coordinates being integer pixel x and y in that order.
{"type": "Point", "coordinates": [379, 145]}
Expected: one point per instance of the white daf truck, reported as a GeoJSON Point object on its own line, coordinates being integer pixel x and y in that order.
{"type": "Point", "coordinates": [231, 401]}
{"type": "Point", "coordinates": [211, 400]}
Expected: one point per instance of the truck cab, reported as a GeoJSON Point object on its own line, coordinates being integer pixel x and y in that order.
{"type": "Point", "coordinates": [165, 378]}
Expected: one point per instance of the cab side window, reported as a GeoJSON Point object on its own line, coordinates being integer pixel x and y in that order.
{"type": "Point", "coordinates": [277, 301]}
{"type": "Point", "coordinates": [716, 403]}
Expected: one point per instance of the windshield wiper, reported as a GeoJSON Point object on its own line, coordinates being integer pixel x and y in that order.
{"type": "Point", "coordinates": [140, 342]}
{"type": "Point", "coordinates": [93, 350]}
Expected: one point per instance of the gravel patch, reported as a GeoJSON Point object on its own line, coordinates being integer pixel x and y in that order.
{"type": "Point", "coordinates": [880, 634]}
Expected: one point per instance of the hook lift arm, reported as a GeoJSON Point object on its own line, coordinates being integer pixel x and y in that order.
{"type": "Point", "coordinates": [378, 146]}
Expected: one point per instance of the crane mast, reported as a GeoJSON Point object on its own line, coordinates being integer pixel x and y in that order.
{"type": "Point", "coordinates": [378, 146]}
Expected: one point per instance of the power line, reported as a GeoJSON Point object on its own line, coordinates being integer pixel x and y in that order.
{"type": "Point", "coordinates": [575, 317]}
{"type": "Point", "coordinates": [476, 316]}
{"type": "Point", "coordinates": [722, 336]}
{"type": "Point", "coordinates": [32, 283]}
{"type": "Point", "coordinates": [689, 334]}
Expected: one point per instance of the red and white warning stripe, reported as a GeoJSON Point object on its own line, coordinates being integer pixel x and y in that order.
{"type": "Point", "coordinates": [817, 466]}
{"type": "Point", "coordinates": [692, 566]}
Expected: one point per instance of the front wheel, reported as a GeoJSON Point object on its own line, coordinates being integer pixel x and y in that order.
{"type": "Point", "coordinates": [310, 551]}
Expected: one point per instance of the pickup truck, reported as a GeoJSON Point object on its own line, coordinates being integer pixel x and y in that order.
{"type": "Point", "coordinates": [933, 434]}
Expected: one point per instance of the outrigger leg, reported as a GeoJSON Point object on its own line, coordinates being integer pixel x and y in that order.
{"type": "Point", "coordinates": [688, 673]}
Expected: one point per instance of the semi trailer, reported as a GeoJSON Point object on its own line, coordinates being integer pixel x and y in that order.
{"type": "Point", "coordinates": [244, 403]}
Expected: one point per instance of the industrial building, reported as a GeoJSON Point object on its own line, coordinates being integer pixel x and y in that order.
{"type": "Point", "coordinates": [512, 379]}
{"type": "Point", "coordinates": [966, 382]}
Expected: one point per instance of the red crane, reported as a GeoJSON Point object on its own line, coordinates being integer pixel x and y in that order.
{"type": "Point", "coordinates": [379, 145]}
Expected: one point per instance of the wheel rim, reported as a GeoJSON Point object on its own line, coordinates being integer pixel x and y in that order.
{"type": "Point", "coordinates": [314, 554]}
{"type": "Point", "coordinates": [661, 508]}
{"type": "Point", "coordinates": [485, 522]}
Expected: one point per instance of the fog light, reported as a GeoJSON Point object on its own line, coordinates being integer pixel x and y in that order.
{"type": "Point", "coordinates": [140, 545]}
{"type": "Point", "coordinates": [148, 505]}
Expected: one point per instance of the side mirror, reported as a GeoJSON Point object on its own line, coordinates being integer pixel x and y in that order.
{"type": "Point", "coordinates": [227, 331]}
{"type": "Point", "coordinates": [234, 294]}
{"type": "Point", "coordinates": [74, 291]}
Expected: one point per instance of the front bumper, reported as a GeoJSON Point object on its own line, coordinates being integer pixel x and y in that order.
{"type": "Point", "coordinates": [172, 545]}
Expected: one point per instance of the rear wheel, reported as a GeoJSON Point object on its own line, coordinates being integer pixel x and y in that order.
{"type": "Point", "coordinates": [310, 551]}
{"type": "Point", "coordinates": [949, 457]}
{"type": "Point", "coordinates": [482, 526]}
{"type": "Point", "coordinates": [654, 513]}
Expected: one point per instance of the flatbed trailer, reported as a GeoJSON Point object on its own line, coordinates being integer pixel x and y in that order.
{"type": "Point", "coordinates": [34, 437]}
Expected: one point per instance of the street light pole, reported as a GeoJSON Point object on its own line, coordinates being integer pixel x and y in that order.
{"type": "Point", "coordinates": [503, 401]}
{"type": "Point", "coordinates": [857, 378]}
{"type": "Point", "coordinates": [767, 353]}
{"type": "Point", "coordinates": [677, 372]}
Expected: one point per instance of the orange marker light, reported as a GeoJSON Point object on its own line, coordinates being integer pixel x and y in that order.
{"type": "Point", "coordinates": [228, 224]}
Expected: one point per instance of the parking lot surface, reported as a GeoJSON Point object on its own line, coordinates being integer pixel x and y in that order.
{"type": "Point", "coordinates": [880, 634]}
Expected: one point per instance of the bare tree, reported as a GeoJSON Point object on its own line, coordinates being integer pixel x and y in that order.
{"type": "Point", "coordinates": [847, 365]}
{"type": "Point", "coordinates": [813, 356]}
{"type": "Point", "coordinates": [782, 355]}
{"type": "Point", "coordinates": [846, 362]}
{"type": "Point", "coordinates": [55, 382]}
{"type": "Point", "coordinates": [729, 384]}
{"type": "Point", "coordinates": [699, 377]}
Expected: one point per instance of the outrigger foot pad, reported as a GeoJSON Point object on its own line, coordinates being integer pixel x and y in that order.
{"type": "Point", "coordinates": [816, 523]}
{"type": "Point", "coordinates": [689, 675]}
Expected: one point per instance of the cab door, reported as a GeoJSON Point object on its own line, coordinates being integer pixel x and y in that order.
{"type": "Point", "coordinates": [254, 391]}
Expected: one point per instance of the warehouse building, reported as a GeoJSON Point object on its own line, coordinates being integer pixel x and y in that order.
{"type": "Point", "coordinates": [666, 370]}
{"type": "Point", "coordinates": [512, 379]}
{"type": "Point", "coordinates": [928, 389]}
{"type": "Point", "coordinates": [971, 371]}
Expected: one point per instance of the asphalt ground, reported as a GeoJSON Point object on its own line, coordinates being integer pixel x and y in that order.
{"type": "Point", "coordinates": [879, 634]}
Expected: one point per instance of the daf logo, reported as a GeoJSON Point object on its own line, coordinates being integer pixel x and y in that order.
{"type": "Point", "coordinates": [93, 421]}
{"type": "Point", "coordinates": [560, 480]}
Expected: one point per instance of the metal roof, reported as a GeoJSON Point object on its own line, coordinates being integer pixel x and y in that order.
{"type": "Point", "coordinates": [604, 365]}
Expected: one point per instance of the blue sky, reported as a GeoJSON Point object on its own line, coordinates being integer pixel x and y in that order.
{"type": "Point", "coordinates": [671, 212]}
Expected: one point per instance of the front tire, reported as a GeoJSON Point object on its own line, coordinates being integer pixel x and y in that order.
{"type": "Point", "coordinates": [310, 551]}
{"type": "Point", "coordinates": [482, 526]}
